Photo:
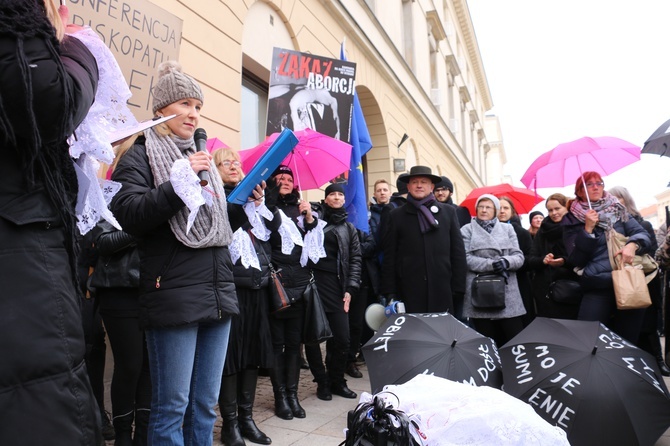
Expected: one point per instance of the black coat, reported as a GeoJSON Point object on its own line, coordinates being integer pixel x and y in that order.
{"type": "Point", "coordinates": [45, 395]}
{"type": "Point", "coordinates": [178, 285]}
{"type": "Point", "coordinates": [522, 274]}
{"type": "Point", "coordinates": [370, 270]}
{"type": "Point", "coordinates": [423, 270]}
{"type": "Point", "coordinates": [293, 276]}
{"type": "Point", "coordinates": [549, 239]}
{"type": "Point", "coordinates": [118, 264]}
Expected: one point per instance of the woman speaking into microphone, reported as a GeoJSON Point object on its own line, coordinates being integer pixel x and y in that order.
{"type": "Point", "coordinates": [187, 293]}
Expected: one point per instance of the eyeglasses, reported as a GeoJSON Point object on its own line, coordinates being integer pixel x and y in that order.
{"type": "Point", "coordinates": [593, 184]}
{"type": "Point", "coordinates": [485, 208]}
{"type": "Point", "coordinates": [227, 164]}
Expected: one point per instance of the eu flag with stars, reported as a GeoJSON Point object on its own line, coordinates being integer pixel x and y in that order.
{"type": "Point", "coordinates": [354, 190]}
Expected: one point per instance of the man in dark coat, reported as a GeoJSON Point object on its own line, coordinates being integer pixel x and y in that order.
{"type": "Point", "coordinates": [424, 256]}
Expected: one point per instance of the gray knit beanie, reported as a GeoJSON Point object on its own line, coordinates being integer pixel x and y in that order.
{"type": "Point", "coordinates": [173, 84]}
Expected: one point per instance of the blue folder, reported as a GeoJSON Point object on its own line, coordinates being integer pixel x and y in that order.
{"type": "Point", "coordinates": [264, 167]}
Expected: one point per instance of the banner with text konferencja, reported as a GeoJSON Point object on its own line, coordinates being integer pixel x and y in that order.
{"type": "Point", "coordinates": [310, 91]}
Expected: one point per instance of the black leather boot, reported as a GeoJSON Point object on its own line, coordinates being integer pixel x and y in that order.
{"type": "Point", "coordinates": [123, 429]}
{"type": "Point", "coordinates": [292, 378]}
{"type": "Point", "coordinates": [655, 343]}
{"type": "Point", "coordinates": [230, 431]}
{"type": "Point", "coordinates": [654, 347]}
{"type": "Point", "coordinates": [141, 427]}
{"type": "Point", "coordinates": [318, 369]}
{"type": "Point", "coordinates": [665, 370]}
{"type": "Point", "coordinates": [246, 394]}
{"type": "Point", "coordinates": [278, 378]}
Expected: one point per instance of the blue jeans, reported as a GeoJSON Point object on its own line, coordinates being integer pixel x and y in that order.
{"type": "Point", "coordinates": [186, 364]}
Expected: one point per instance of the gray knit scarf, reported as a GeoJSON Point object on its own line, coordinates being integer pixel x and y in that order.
{"type": "Point", "coordinates": [211, 226]}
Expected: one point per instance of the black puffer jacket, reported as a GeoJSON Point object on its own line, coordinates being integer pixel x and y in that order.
{"type": "Point", "coordinates": [45, 396]}
{"type": "Point", "coordinates": [178, 285]}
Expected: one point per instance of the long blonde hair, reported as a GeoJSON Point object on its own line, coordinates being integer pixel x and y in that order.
{"type": "Point", "coordinates": [55, 19]}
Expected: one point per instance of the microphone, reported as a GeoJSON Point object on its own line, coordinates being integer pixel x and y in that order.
{"type": "Point", "coordinates": [396, 307]}
{"type": "Point", "coordinates": [200, 137]}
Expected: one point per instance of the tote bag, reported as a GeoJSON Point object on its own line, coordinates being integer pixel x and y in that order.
{"type": "Point", "coordinates": [616, 241]}
{"type": "Point", "coordinates": [630, 287]}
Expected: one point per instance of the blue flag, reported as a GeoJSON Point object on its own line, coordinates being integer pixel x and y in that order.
{"type": "Point", "coordinates": [354, 190]}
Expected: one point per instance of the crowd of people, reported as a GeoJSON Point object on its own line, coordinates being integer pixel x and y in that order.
{"type": "Point", "coordinates": [184, 288]}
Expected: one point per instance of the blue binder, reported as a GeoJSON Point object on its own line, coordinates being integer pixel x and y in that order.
{"type": "Point", "coordinates": [264, 167]}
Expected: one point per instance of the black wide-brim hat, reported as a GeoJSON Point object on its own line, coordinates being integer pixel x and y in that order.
{"type": "Point", "coordinates": [420, 171]}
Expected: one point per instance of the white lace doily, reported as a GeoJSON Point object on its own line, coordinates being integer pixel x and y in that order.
{"type": "Point", "coordinates": [91, 145]}
{"type": "Point", "coordinates": [186, 185]}
{"type": "Point", "coordinates": [313, 244]}
{"type": "Point", "coordinates": [290, 234]}
{"type": "Point", "coordinates": [94, 198]}
{"type": "Point", "coordinates": [257, 216]}
{"type": "Point", "coordinates": [241, 247]}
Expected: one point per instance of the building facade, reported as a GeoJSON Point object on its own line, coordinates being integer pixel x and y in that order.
{"type": "Point", "coordinates": [418, 73]}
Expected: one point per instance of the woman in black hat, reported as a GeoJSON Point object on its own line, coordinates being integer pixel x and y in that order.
{"type": "Point", "coordinates": [338, 277]}
{"type": "Point", "coordinates": [287, 242]}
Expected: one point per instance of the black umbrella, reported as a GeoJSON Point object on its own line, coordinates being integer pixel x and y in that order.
{"type": "Point", "coordinates": [659, 141]}
{"type": "Point", "coordinates": [437, 344]}
{"type": "Point", "coordinates": [586, 379]}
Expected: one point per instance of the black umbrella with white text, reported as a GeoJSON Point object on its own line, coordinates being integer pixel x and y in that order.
{"type": "Point", "coordinates": [410, 344]}
{"type": "Point", "coordinates": [586, 379]}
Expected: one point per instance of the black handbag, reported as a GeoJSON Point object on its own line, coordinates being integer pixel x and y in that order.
{"type": "Point", "coordinates": [316, 329]}
{"type": "Point", "coordinates": [488, 292]}
{"type": "Point", "coordinates": [565, 291]}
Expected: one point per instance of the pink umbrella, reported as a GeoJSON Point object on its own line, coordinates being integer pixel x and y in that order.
{"type": "Point", "coordinates": [315, 160]}
{"type": "Point", "coordinates": [563, 164]}
{"type": "Point", "coordinates": [216, 143]}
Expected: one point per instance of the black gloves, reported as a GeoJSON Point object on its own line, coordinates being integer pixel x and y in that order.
{"type": "Point", "coordinates": [500, 266]}
{"type": "Point", "coordinates": [271, 193]}
{"type": "Point", "coordinates": [390, 298]}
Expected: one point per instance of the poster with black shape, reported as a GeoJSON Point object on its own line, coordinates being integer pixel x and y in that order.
{"type": "Point", "coordinates": [309, 91]}
{"type": "Point", "coordinates": [140, 34]}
